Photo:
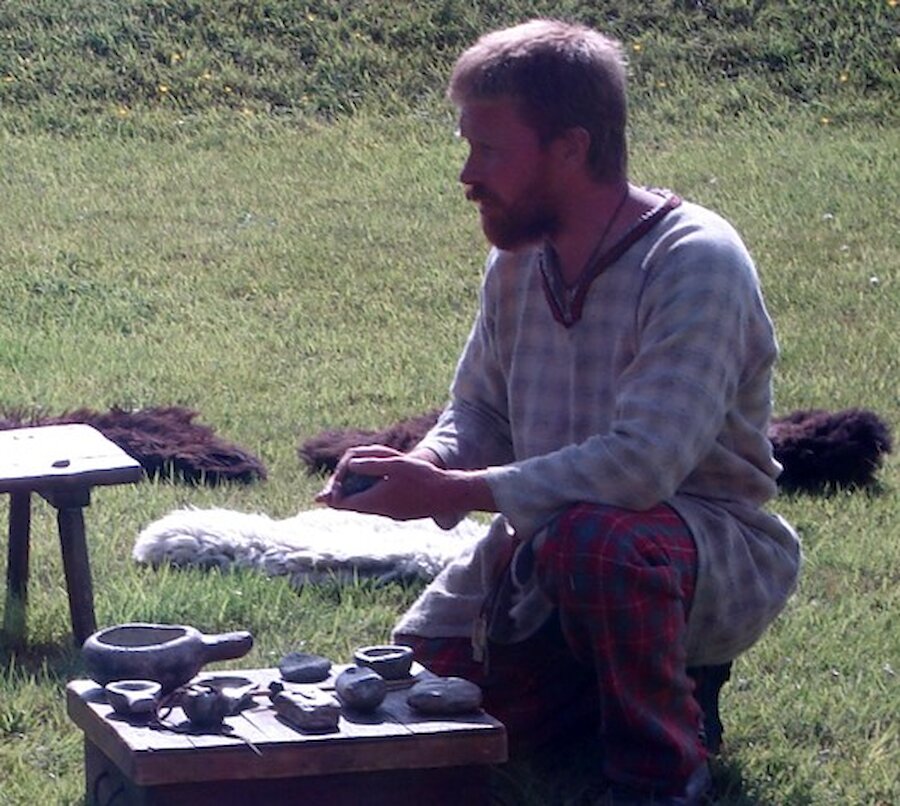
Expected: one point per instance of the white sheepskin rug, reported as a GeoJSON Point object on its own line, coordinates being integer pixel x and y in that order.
{"type": "Point", "coordinates": [310, 546]}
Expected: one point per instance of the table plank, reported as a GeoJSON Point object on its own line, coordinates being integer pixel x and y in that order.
{"type": "Point", "coordinates": [423, 723]}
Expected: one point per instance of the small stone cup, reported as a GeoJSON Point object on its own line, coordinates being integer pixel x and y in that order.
{"type": "Point", "coordinates": [391, 661]}
{"type": "Point", "coordinates": [133, 697]}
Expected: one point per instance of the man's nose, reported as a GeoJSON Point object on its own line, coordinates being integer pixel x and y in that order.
{"type": "Point", "coordinates": [468, 174]}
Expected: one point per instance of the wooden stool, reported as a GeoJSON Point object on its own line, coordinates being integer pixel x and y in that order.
{"type": "Point", "coordinates": [394, 757]}
{"type": "Point", "coordinates": [61, 463]}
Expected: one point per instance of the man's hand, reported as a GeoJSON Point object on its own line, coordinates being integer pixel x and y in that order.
{"type": "Point", "coordinates": [407, 486]}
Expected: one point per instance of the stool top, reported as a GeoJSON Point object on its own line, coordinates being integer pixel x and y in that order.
{"type": "Point", "coordinates": [50, 456]}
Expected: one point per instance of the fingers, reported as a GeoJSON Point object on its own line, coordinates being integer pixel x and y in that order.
{"type": "Point", "coordinates": [362, 452]}
{"type": "Point", "coordinates": [335, 489]}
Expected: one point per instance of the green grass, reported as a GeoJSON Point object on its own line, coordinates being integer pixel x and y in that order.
{"type": "Point", "coordinates": [285, 266]}
{"type": "Point", "coordinates": [107, 60]}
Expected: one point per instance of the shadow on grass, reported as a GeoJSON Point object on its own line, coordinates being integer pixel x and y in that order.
{"type": "Point", "coordinates": [873, 490]}
{"type": "Point", "coordinates": [732, 788]}
{"type": "Point", "coordinates": [570, 775]}
{"type": "Point", "coordinates": [50, 660]}
{"type": "Point", "coordinates": [564, 774]}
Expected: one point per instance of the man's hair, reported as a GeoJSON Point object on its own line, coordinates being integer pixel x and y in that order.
{"type": "Point", "coordinates": [562, 75]}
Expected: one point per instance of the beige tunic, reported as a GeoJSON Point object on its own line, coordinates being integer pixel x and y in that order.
{"type": "Point", "coordinates": [660, 391]}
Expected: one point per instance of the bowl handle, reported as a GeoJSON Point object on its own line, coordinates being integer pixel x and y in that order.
{"type": "Point", "coordinates": [227, 646]}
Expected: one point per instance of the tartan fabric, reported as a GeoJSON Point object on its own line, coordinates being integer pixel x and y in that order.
{"type": "Point", "coordinates": [535, 687]}
{"type": "Point", "coordinates": [622, 582]}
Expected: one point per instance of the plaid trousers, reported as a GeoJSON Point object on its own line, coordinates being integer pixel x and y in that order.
{"type": "Point", "coordinates": [613, 655]}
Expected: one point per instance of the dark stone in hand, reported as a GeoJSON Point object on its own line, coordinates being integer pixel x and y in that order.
{"type": "Point", "coordinates": [354, 483]}
{"type": "Point", "coordinates": [300, 667]}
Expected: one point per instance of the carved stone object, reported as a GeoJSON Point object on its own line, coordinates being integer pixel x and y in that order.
{"type": "Point", "coordinates": [205, 706]}
{"type": "Point", "coordinates": [313, 711]}
{"type": "Point", "coordinates": [354, 483]}
{"type": "Point", "coordinates": [133, 697]}
{"type": "Point", "coordinates": [360, 689]}
{"type": "Point", "coordinates": [391, 661]}
{"type": "Point", "coordinates": [301, 667]}
{"type": "Point", "coordinates": [444, 696]}
{"type": "Point", "coordinates": [170, 654]}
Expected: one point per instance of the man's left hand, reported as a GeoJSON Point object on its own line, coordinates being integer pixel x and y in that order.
{"type": "Point", "coordinates": [407, 487]}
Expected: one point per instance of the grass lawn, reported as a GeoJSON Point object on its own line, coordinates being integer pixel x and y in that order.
{"type": "Point", "coordinates": [283, 272]}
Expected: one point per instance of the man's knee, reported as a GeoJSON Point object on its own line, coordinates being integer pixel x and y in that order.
{"type": "Point", "coordinates": [608, 533]}
{"type": "Point", "coordinates": [591, 546]}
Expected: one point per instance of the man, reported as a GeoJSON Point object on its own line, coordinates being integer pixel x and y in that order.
{"type": "Point", "coordinates": [611, 404]}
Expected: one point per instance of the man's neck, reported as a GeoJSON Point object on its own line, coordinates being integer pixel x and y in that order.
{"type": "Point", "coordinates": [593, 221]}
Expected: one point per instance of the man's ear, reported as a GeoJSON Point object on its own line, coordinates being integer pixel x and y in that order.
{"type": "Point", "coordinates": [574, 144]}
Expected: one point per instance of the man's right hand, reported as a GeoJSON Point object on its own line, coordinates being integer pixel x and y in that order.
{"type": "Point", "coordinates": [407, 486]}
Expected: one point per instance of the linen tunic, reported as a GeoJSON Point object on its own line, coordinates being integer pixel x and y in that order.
{"type": "Point", "coordinates": [660, 391]}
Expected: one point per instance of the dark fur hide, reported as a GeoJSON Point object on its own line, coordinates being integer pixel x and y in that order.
{"type": "Point", "coordinates": [818, 449]}
{"type": "Point", "coordinates": [320, 453]}
{"type": "Point", "coordinates": [165, 440]}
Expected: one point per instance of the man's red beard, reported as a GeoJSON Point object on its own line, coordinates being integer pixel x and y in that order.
{"type": "Point", "coordinates": [511, 226]}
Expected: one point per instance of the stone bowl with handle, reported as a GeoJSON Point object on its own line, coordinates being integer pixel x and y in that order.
{"type": "Point", "coordinates": [170, 654]}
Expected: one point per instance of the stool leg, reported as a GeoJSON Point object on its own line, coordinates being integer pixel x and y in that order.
{"type": "Point", "coordinates": [14, 623]}
{"type": "Point", "coordinates": [78, 572]}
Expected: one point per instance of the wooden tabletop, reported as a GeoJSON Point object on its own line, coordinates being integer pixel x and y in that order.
{"type": "Point", "coordinates": [60, 456]}
{"type": "Point", "coordinates": [259, 744]}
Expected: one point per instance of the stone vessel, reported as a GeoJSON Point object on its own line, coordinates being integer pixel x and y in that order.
{"type": "Point", "coordinates": [133, 697]}
{"type": "Point", "coordinates": [170, 654]}
{"type": "Point", "coordinates": [391, 661]}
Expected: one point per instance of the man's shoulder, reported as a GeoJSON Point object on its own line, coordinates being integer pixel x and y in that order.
{"type": "Point", "coordinates": [693, 215]}
{"type": "Point", "coordinates": [697, 232]}
{"type": "Point", "coordinates": [697, 248]}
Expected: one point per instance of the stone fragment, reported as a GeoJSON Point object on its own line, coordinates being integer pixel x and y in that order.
{"type": "Point", "coordinates": [360, 689]}
{"type": "Point", "coordinates": [301, 667]}
{"type": "Point", "coordinates": [314, 711]}
{"type": "Point", "coordinates": [444, 696]}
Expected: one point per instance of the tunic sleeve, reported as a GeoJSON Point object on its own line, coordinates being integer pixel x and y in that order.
{"type": "Point", "coordinates": [473, 431]}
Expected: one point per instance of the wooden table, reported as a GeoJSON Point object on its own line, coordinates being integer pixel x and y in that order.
{"type": "Point", "coordinates": [393, 756]}
{"type": "Point", "coordinates": [61, 463]}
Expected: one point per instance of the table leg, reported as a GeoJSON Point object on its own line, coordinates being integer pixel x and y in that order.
{"type": "Point", "coordinates": [78, 571]}
{"type": "Point", "coordinates": [14, 623]}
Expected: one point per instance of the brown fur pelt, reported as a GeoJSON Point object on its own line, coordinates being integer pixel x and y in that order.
{"type": "Point", "coordinates": [320, 453]}
{"type": "Point", "coordinates": [166, 440]}
{"type": "Point", "coordinates": [818, 449]}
